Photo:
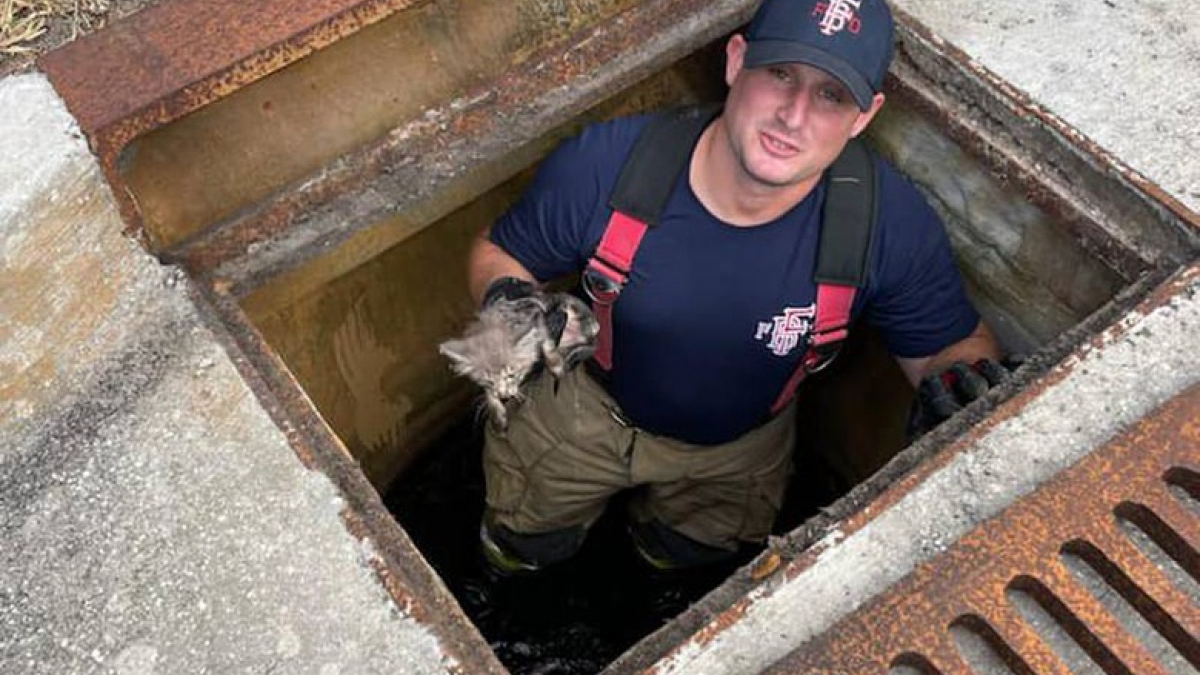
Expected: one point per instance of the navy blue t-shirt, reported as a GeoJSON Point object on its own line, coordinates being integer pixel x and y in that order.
{"type": "Point", "coordinates": [713, 320]}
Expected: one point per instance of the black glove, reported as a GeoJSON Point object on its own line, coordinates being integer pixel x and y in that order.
{"type": "Point", "coordinates": [557, 309]}
{"type": "Point", "coordinates": [942, 394]}
{"type": "Point", "coordinates": [509, 289]}
{"type": "Point", "coordinates": [572, 327]}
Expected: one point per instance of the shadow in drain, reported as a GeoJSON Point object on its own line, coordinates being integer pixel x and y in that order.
{"type": "Point", "coordinates": [575, 618]}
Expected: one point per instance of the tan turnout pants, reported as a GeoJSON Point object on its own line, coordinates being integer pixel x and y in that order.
{"type": "Point", "coordinates": [567, 450]}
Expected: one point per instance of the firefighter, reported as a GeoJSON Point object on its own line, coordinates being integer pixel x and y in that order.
{"type": "Point", "coordinates": [687, 403]}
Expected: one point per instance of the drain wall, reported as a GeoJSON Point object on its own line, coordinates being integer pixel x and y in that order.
{"type": "Point", "coordinates": [229, 155]}
{"type": "Point", "coordinates": [359, 327]}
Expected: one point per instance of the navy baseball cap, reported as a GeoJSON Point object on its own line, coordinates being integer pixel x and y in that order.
{"type": "Point", "coordinates": [849, 39]}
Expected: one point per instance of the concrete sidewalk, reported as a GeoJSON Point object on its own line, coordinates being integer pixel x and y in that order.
{"type": "Point", "coordinates": [156, 520]}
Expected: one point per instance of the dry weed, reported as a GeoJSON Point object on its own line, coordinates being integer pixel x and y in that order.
{"type": "Point", "coordinates": [23, 21]}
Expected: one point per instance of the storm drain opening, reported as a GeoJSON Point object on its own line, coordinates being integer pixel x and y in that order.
{"type": "Point", "coordinates": [362, 343]}
{"type": "Point", "coordinates": [346, 263]}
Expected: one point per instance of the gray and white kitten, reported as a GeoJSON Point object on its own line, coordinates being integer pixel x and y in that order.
{"type": "Point", "coordinates": [507, 341]}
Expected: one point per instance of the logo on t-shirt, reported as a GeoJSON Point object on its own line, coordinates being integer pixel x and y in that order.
{"type": "Point", "coordinates": [787, 330]}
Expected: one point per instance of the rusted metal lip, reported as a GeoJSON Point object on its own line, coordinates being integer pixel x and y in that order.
{"type": "Point", "coordinates": [415, 161]}
{"type": "Point", "coordinates": [180, 55]}
{"type": "Point", "coordinates": [400, 568]}
{"type": "Point", "coordinates": [1027, 106]}
{"type": "Point", "coordinates": [1039, 177]}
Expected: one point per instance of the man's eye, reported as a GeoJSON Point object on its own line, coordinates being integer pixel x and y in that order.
{"type": "Point", "coordinates": [833, 94]}
{"type": "Point", "coordinates": [780, 74]}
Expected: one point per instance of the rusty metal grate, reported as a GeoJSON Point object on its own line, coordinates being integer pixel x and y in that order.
{"type": "Point", "coordinates": [1098, 571]}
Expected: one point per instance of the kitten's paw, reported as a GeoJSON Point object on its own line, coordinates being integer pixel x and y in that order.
{"type": "Point", "coordinates": [499, 412]}
{"type": "Point", "coordinates": [555, 362]}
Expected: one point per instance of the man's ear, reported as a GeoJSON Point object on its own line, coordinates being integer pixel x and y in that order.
{"type": "Point", "coordinates": [864, 118]}
{"type": "Point", "coordinates": [735, 54]}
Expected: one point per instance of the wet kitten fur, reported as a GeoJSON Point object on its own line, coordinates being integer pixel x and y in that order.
{"type": "Point", "coordinates": [501, 349]}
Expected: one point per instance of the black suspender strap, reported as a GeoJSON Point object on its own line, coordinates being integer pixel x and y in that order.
{"type": "Point", "coordinates": [658, 159]}
{"type": "Point", "coordinates": [843, 258]}
{"type": "Point", "coordinates": [848, 221]}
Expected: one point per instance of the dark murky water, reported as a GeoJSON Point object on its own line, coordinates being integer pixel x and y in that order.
{"type": "Point", "coordinates": [570, 620]}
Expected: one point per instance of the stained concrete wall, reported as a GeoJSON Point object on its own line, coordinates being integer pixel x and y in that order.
{"type": "Point", "coordinates": [228, 155]}
{"type": "Point", "coordinates": [359, 326]}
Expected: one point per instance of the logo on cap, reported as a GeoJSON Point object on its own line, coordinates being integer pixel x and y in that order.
{"type": "Point", "coordinates": [837, 15]}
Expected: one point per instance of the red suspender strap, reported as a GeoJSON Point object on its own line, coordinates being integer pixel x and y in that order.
{"type": "Point", "coordinates": [832, 322]}
{"type": "Point", "coordinates": [606, 274]}
{"type": "Point", "coordinates": [830, 327]}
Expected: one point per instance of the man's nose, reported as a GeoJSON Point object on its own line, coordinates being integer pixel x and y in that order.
{"type": "Point", "coordinates": [794, 111]}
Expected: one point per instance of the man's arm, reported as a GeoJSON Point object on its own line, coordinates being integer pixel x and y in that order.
{"type": "Point", "coordinates": [488, 262]}
{"type": "Point", "coordinates": [980, 344]}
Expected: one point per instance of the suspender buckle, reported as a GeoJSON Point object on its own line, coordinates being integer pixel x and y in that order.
{"type": "Point", "coordinates": [602, 282]}
{"type": "Point", "coordinates": [818, 358]}
{"type": "Point", "coordinates": [823, 348]}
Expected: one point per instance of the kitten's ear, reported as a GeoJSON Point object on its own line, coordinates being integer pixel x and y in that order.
{"type": "Point", "coordinates": [455, 350]}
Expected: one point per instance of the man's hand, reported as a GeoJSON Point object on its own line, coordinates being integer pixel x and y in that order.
{"type": "Point", "coordinates": [569, 327]}
{"type": "Point", "coordinates": [523, 299]}
{"type": "Point", "coordinates": [508, 289]}
{"type": "Point", "coordinates": [942, 394]}
{"type": "Point", "coordinates": [573, 328]}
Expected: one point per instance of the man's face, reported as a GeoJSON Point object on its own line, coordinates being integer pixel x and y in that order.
{"type": "Point", "coordinates": [788, 122]}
